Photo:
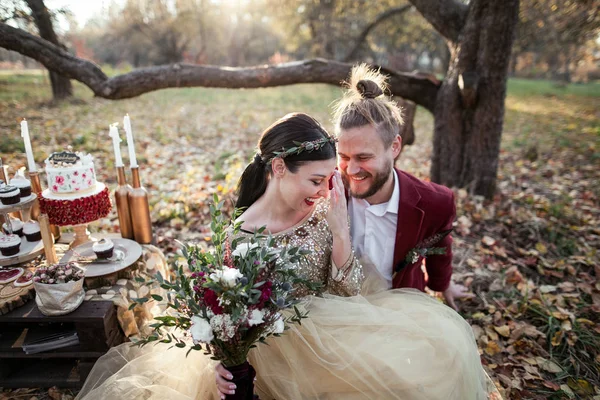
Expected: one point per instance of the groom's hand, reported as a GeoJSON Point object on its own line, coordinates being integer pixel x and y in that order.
{"type": "Point", "coordinates": [224, 386]}
{"type": "Point", "coordinates": [455, 291]}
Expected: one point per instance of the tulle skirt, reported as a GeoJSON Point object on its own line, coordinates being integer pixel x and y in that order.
{"type": "Point", "coordinates": [397, 344]}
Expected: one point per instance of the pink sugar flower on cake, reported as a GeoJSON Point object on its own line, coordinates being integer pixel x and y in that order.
{"type": "Point", "coordinates": [76, 173]}
{"type": "Point", "coordinates": [55, 188]}
{"type": "Point", "coordinates": [84, 175]}
{"type": "Point", "coordinates": [60, 180]}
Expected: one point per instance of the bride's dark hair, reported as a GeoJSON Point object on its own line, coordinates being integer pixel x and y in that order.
{"type": "Point", "coordinates": [283, 134]}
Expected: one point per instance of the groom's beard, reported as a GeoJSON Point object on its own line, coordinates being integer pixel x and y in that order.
{"type": "Point", "coordinates": [380, 178]}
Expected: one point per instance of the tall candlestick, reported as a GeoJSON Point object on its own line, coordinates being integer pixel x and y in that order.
{"type": "Point", "coordinates": [140, 210]}
{"type": "Point", "coordinates": [122, 202]}
{"type": "Point", "coordinates": [130, 146]}
{"type": "Point", "coordinates": [114, 134]}
{"type": "Point", "coordinates": [28, 150]}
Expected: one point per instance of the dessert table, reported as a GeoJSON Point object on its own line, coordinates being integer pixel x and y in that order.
{"type": "Point", "coordinates": [123, 286]}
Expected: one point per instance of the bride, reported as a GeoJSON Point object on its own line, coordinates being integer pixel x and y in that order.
{"type": "Point", "coordinates": [359, 342]}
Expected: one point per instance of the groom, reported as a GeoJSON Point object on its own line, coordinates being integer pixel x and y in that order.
{"type": "Point", "coordinates": [392, 213]}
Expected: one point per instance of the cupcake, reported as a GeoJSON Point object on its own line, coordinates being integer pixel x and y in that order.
{"type": "Point", "coordinates": [20, 182]}
{"type": "Point", "coordinates": [32, 232]}
{"type": "Point", "coordinates": [16, 225]}
{"type": "Point", "coordinates": [9, 245]}
{"type": "Point", "coordinates": [103, 248]}
{"type": "Point", "coordinates": [9, 195]}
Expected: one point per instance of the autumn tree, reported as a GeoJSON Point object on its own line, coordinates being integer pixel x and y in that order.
{"type": "Point", "coordinates": [468, 105]}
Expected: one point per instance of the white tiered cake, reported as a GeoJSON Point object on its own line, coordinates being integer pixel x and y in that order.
{"type": "Point", "coordinates": [71, 175]}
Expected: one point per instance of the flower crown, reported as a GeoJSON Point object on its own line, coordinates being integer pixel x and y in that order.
{"type": "Point", "coordinates": [304, 146]}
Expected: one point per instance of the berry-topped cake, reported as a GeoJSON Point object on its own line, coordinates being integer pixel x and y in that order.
{"type": "Point", "coordinates": [69, 172]}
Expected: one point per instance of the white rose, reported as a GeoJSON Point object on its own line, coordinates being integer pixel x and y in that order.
{"type": "Point", "coordinates": [201, 330]}
{"type": "Point", "coordinates": [230, 276]}
{"type": "Point", "coordinates": [255, 317]}
{"type": "Point", "coordinates": [243, 248]}
{"type": "Point", "coordinates": [278, 325]}
{"type": "Point", "coordinates": [216, 276]}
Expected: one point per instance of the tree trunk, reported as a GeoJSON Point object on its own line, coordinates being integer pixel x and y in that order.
{"type": "Point", "coordinates": [470, 104]}
{"type": "Point", "coordinates": [61, 86]}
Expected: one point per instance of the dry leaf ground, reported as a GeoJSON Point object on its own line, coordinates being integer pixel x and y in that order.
{"type": "Point", "coordinates": [530, 254]}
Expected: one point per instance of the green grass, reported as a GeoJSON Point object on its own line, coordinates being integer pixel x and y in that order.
{"type": "Point", "coordinates": [529, 88]}
{"type": "Point", "coordinates": [538, 114]}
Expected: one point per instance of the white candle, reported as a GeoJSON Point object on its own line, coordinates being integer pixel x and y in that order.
{"type": "Point", "coordinates": [130, 146]}
{"type": "Point", "coordinates": [114, 134]}
{"type": "Point", "coordinates": [28, 150]}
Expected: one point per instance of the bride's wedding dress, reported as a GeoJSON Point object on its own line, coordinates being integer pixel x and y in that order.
{"type": "Point", "coordinates": [380, 344]}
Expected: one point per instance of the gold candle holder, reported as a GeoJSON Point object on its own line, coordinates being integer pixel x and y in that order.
{"type": "Point", "coordinates": [139, 210]}
{"type": "Point", "coordinates": [36, 187]}
{"type": "Point", "coordinates": [122, 202]}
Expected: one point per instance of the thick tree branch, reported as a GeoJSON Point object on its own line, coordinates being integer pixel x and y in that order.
{"type": "Point", "coordinates": [417, 88]}
{"type": "Point", "coordinates": [379, 19]}
{"type": "Point", "coordinates": [446, 16]}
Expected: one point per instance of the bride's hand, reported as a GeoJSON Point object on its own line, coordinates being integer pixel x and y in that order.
{"type": "Point", "coordinates": [224, 386]}
{"type": "Point", "coordinates": [337, 217]}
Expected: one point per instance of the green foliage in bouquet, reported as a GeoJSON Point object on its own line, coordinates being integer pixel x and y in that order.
{"type": "Point", "coordinates": [232, 297]}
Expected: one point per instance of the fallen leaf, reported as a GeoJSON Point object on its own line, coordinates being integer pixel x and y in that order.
{"type": "Point", "coordinates": [547, 289]}
{"type": "Point", "coordinates": [541, 247]}
{"type": "Point", "coordinates": [503, 330]}
{"type": "Point", "coordinates": [488, 241]}
{"type": "Point", "coordinates": [492, 348]}
{"type": "Point", "coordinates": [557, 338]}
{"type": "Point", "coordinates": [551, 385]}
{"type": "Point", "coordinates": [548, 365]}
{"type": "Point", "coordinates": [580, 386]}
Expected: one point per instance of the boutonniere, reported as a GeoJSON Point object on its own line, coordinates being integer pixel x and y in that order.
{"type": "Point", "coordinates": [423, 249]}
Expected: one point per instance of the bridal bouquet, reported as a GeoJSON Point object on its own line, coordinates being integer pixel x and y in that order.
{"type": "Point", "coordinates": [232, 297]}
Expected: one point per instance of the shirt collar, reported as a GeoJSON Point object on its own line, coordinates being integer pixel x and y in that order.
{"type": "Point", "coordinates": [391, 206]}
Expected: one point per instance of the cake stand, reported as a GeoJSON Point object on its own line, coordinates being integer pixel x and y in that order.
{"type": "Point", "coordinates": [28, 250]}
{"type": "Point", "coordinates": [76, 210]}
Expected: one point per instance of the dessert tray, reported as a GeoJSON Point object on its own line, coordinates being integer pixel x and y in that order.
{"type": "Point", "coordinates": [24, 202]}
{"type": "Point", "coordinates": [27, 251]}
{"type": "Point", "coordinates": [126, 252]}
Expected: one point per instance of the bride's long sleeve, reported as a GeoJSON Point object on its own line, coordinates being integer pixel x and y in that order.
{"type": "Point", "coordinates": [347, 279]}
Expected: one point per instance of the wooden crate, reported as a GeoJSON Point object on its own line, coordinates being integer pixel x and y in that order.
{"type": "Point", "coordinates": [97, 328]}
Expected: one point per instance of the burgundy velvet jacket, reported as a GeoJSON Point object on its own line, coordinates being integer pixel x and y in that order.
{"type": "Point", "coordinates": [425, 209]}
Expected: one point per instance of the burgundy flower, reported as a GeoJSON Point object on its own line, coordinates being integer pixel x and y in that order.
{"type": "Point", "coordinates": [211, 300]}
{"type": "Point", "coordinates": [265, 294]}
{"type": "Point", "coordinates": [76, 173]}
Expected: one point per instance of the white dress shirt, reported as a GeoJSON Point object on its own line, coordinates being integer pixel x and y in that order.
{"type": "Point", "coordinates": [373, 231]}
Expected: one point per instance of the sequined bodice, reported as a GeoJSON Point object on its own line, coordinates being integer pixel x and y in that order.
{"type": "Point", "coordinates": [313, 234]}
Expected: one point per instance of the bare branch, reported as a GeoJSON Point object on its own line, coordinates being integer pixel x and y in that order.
{"type": "Point", "coordinates": [379, 19]}
{"type": "Point", "coordinates": [446, 16]}
{"type": "Point", "coordinates": [414, 87]}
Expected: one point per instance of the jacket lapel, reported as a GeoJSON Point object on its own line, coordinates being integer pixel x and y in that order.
{"type": "Point", "coordinates": [408, 228]}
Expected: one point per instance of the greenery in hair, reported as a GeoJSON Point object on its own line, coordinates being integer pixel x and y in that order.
{"type": "Point", "coordinates": [300, 147]}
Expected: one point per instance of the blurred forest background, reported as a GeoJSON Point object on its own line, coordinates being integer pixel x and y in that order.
{"type": "Point", "coordinates": [555, 39]}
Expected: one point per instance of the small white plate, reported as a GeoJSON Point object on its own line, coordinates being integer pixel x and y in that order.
{"type": "Point", "coordinates": [125, 254]}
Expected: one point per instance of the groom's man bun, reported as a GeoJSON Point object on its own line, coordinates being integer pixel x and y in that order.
{"type": "Point", "coordinates": [365, 103]}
